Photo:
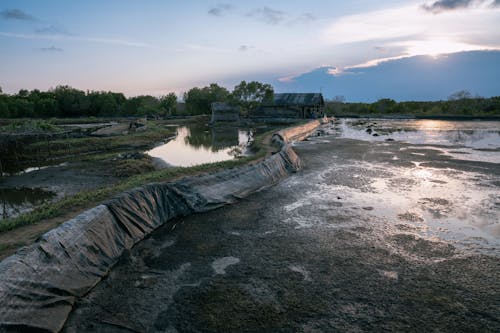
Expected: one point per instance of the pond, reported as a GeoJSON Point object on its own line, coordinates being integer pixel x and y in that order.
{"type": "Point", "coordinates": [198, 144]}
{"type": "Point", "coordinates": [14, 201]}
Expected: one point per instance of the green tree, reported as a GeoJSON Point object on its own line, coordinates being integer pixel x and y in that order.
{"type": "Point", "coordinates": [462, 94]}
{"type": "Point", "coordinates": [250, 95]}
{"type": "Point", "coordinates": [199, 101]}
{"type": "Point", "coordinates": [168, 103]}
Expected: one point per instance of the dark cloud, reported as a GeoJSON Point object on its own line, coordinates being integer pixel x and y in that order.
{"type": "Point", "coordinates": [268, 15]}
{"type": "Point", "coordinates": [16, 14]}
{"type": "Point", "coordinates": [220, 9]}
{"type": "Point", "coordinates": [447, 5]}
{"type": "Point", "coordinates": [51, 49]}
{"type": "Point", "coordinates": [52, 30]}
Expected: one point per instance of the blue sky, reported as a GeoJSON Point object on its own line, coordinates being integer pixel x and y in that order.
{"type": "Point", "coordinates": [158, 46]}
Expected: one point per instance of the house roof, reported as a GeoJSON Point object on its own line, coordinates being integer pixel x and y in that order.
{"type": "Point", "coordinates": [298, 99]}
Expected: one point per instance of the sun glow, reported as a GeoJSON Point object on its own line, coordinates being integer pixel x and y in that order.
{"type": "Point", "coordinates": [436, 47]}
{"type": "Point", "coordinates": [411, 31]}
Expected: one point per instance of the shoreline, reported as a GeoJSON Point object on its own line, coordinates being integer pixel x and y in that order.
{"type": "Point", "coordinates": [416, 117]}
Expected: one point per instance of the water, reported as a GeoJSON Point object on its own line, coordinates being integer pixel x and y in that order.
{"type": "Point", "coordinates": [15, 201]}
{"type": "Point", "coordinates": [472, 134]}
{"type": "Point", "coordinates": [465, 140]}
{"type": "Point", "coordinates": [198, 144]}
{"type": "Point", "coordinates": [427, 174]}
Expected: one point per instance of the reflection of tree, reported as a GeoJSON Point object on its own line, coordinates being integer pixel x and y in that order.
{"type": "Point", "coordinates": [469, 137]}
{"type": "Point", "coordinates": [214, 139]}
{"type": "Point", "coordinates": [224, 137]}
{"type": "Point", "coordinates": [197, 136]}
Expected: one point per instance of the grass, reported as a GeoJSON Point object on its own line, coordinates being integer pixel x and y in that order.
{"type": "Point", "coordinates": [88, 199]}
{"type": "Point", "coordinates": [18, 155]}
{"type": "Point", "coordinates": [30, 126]}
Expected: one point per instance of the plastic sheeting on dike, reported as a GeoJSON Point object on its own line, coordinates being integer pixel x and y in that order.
{"type": "Point", "coordinates": [40, 283]}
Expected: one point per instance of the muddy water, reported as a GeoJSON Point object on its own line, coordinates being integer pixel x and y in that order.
{"type": "Point", "coordinates": [198, 144]}
{"type": "Point", "coordinates": [14, 201]}
{"type": "Point", "coordinates": [372, 235]}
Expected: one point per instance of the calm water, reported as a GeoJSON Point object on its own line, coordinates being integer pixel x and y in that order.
{"type": "Point", "coordinates": [198, 144]}
{"type": "Point", "coordinates": [14, 201]}
{"type": "Point", "coordinates": [465, 140]}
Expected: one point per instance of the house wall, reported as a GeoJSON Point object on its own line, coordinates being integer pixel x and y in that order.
{"type": "Point", "coordinates": [225, 115]}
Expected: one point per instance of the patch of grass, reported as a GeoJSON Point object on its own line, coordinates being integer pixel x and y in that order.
{"type": "Point", "coordinates": [76, 146]}
{"type": "Point", "coordinates": [87, 199]}
{"type": "Point", "coordinates": [130, 167]}
{"type": "Point", "coordinates": [30, 126]}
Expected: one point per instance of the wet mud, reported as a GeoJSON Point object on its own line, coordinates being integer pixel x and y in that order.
{"type": "Point", "coordinates": [370, 236]}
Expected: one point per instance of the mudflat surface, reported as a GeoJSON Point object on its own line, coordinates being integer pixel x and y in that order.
{"type": "Point", "coordinates": [372, 235]}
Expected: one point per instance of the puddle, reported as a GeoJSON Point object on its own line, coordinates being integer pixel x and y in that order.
{"type": "Point", "coordinates": [198, 144]}
{"type": "Point", "coordinates": [14, 201]}
{"type": "Point", "coordinates": [471, 134]}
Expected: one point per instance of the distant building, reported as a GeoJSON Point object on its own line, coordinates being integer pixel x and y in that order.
{"type": "Point", "coordinates": [291, 105]}
{"type": "Point", "coordinates": [222, 112]}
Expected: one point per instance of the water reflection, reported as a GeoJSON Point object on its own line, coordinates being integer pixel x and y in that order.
{"type": "Point", "coordinates": [471, 134]}
{"type": "Point", "coordinates": [14, 201]}
{"type": "Point", "coordinates": [198, 144]}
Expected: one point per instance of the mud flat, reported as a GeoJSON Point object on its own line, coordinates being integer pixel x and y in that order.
{"type": "Point", "coordinates": [372, 235]}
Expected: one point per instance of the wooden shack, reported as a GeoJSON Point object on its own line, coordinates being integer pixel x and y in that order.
{"type": "Point", "coordinates": [225, 113]}
{"type": "Point", "coordinates": [291, 105]}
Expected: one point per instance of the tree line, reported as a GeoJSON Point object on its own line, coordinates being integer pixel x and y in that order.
{"type": "Point", "coordinates": [461, 103]}
{"type": "Point", "coordinates": [68, 102]}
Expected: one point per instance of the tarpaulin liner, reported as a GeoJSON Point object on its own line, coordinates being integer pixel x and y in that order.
{"type": "Point", "coordinates": [40, 283]}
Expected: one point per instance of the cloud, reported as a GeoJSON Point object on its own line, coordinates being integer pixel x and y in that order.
{"type": "Point", "coordinates": [16, 14]}
{"type": "Point", "coordinates": [51, 49]}
{"type": "Point", "coordinates": [304, 18]}
{"type": "Point", "coordinates": [52, 30]}
{"type": "Point", "coordinates": [441, 6]}
{"type": "Point", "coordinates": [268, 15]}
{"type": "Point", "coordinates": [245, 48]}
{"type": "Point", "coordinates": [98, 40]}
{"type": "Point", "coordinates": [220, 9]}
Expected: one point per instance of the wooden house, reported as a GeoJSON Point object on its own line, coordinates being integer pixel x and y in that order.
{"type": "Point", "coordinates": [226, 113]}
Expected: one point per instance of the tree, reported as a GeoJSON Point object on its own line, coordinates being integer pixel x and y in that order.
{"type": "Point", "coordinates": [250, 95]}
{"type": "Point", "coordinates": [384, 105]}
{"type": "Point", "coordinates": [462, 94]}
{"type": "Point", "coordinates": [199, 101]}
{"type": "Point", "coordinates": [168, 103]}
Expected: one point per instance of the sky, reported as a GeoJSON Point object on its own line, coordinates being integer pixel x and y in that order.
{"type": "Point", "coordinates": [158, 46]}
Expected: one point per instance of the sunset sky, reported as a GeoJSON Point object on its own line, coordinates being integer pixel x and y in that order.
{"type": "Point", "coordinates": [157, 46]}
